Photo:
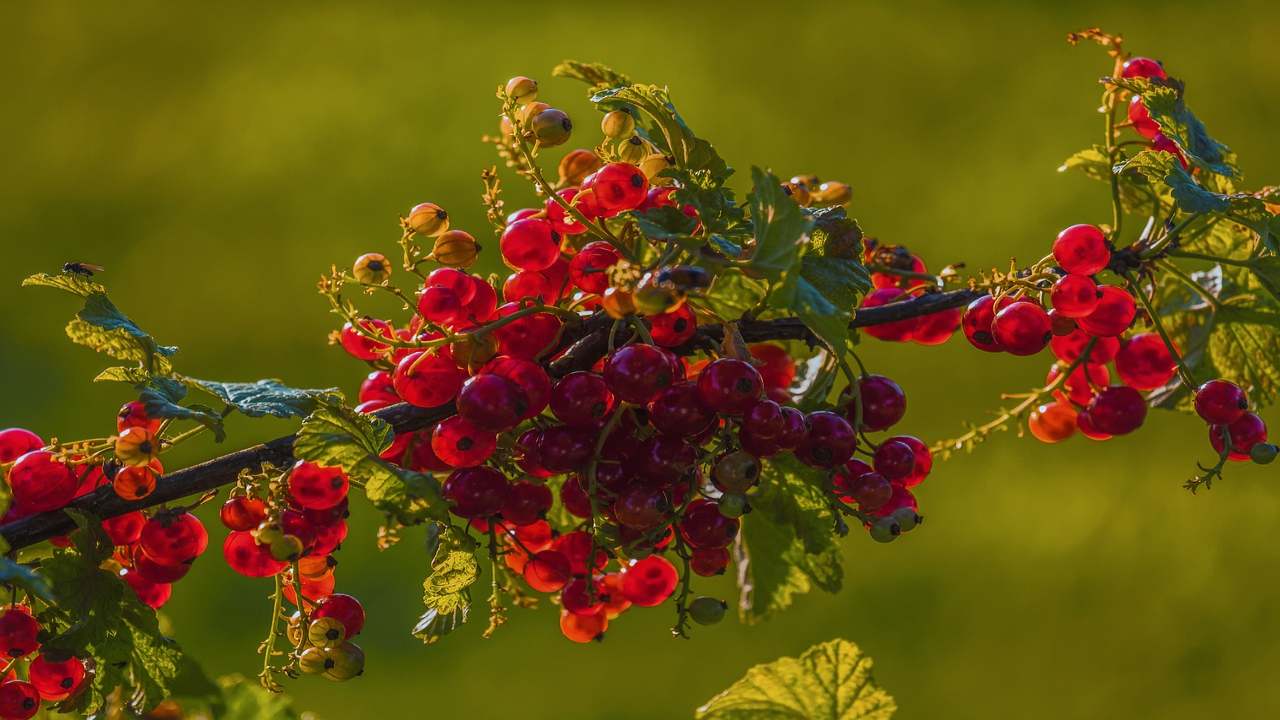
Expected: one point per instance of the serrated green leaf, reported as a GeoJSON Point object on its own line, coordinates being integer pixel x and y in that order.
{"type": "Point", "coordinates": [265, 397]}
{"type": "Point", "coordinates": [732, 293]}
{"type": "Point", "coordinates": [788, 546]}
{"type": "Point", "coordinates": [594, 74]}
{"type": "Point", "coordinates": [658, 122]}
{"type": "Point", "coordinates": [1267, 270]}
{"type": "Point", "coordinates": [1245, 347]}
{"type": "Point", "coordinates": [337, 436]}
{"type": "Point", "coordinates": [133, 376]}
{"type": "Point", "coordinates": [666, 223]}
{"type": "Point", "coordinates": [162, 395]}
{"type": "Point", "coordinates": [1163, 168]}
{"type": "Point", "coordinates": [823, 294]}
{"type": "Point", "coordinates": [779, 226]}
{"type": "Point", "coordinates": [101, 326]}
{"type": "Point", "coordinates": [1166, 105]}
{"type": "Point", "coordinates": [68, 282]}
{"type": "Point", "coordinates": [830, 681]}
{"type": "Point", "coordinates": [446, 591]}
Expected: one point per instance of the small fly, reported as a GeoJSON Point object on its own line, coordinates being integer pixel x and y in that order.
{"type": "Point", "coordinates": [82, 268]}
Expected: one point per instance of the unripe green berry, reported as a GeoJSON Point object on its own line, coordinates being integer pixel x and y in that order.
{"type": "Point", "coordinates": [286, 548]}
{"type": "Point", "coordinates": [734, 505]}
{"type": "Point", "coordinates": [906, 518]}
{"type": "Point", "coordinates": [707, 610]}
{"type": "Point", "coordinates": [552, 127]}
{"type": "Point", "coordinates": [1263, 453]}
{"type": "Point", "coordinates": [617, 124]}
{"type": "Point", "coordinates": [633, 151]}
{"type": "Point", "coordinates": [736, 472]}
{"type": "Point", "coordinates": [885, 530]}
{"type": "Point", "coordinates": [522, 89]}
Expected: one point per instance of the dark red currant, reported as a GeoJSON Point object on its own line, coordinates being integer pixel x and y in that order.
{"type": "Point", "coordinates": [1220, 402]}
{"type": "Point", "coordinates": [476, 492]}
{"type": "Point", "coordinates": [581, 399]}
{"type": "Point", "coordinates": [1113, 315]}
{"type": "Point", "coordinates": [1117, 410]}
{"type": "Point", "coordinates": [637, 373]}
{"type": "Point", "coordinates": [1022, 328]}
{"type": "Point", "coordinates": [492, 402]}
{"type": "Point", "coordinates": [730, 386]}
{"type": "Point", "coordinates": [882, 400]}
{"type": "Point", "coordinates": [461, 444]}
{"type": "Point", "coordinates": [829, 441]}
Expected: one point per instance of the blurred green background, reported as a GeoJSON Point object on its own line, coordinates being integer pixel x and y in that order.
{"type": "Point", "coordinates": [217, 159]}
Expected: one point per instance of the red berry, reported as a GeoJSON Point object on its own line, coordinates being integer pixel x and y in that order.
{"type": "Point", "coordinates": [1022, 328]}
{"type": "Point", "coordinates": [16, 442]}
{"type": "Point", "coordinates": [576, 548]}
{"type": "Point", "coordinates": [530, 244]}
{"type": "Point", "coordinates": [427, 379]}
{"type": "Point", "coordinates": [362, 347]}
{"type": "Point", "coordinates": [708, 562]}
{"type": "Point", "coordinates": [641, 508]}
{"type": "Point", "coordinates": [618, 186]}
{"type": "Point", "coordinates": [461, 283]}
{"type": "Point", "coordinates": [378, 386]}
{"type": "Point", "coordinates": [438, 304]}
{"type": "Point", "coordinates": [343, 608]}
{"type": "Point", "coordinates": [637, 373]}
{"type": "Point", "coordinates": [483, 304]}
{"type": "Point", "coordinates": [574, 497]}
{"type": "Point", "coordinates": [976, 324]}
{"type": "Point", "coordinates": [581, 399]}
{"type": "Point", "coordinates": [730, 386]}
{"type": "Point", "coordinates": [18, 630]}
{"type": "Point", "coordinates": [1068, 347]}
{"type": "Point", "coordinates": [829, 440]}
{"type": "Point", "coordinates": [936, 328]}
{"type": "Point", "coordinates": [1143, 67]}
{"type": "Point", "coordinates": [134, 414]}
{"type": "Point", "coordinates": [1246, 431]}
{"type": "Point", "coordinates": [589, 267]}
{"type": "Point", "coordinates": [125, 529]}
{"type": "Point", "coordinates": [703, 525]}
{"type": "Point", "coordinates": [530, 284]}
{"type": "Point", "coordinates": [1074, 296]}
{"type": "Point", "coordinates": [18, 700]}
{"type": "Point", "coordinates": [776, 367]}
{"type": "Point", "coordinates": [56, 680]}
{"type": "Point", "coordinates": [564, 449]}
{"type": "Point", "coordinates": [461, 444]}
{"type": "Point", "coordinates": [547, 571]}
{"type": "Point", "coordinates": [528, 336]}
{"type": "Point", "coordinates": [883, 403]}
{"type": "Point", "coordinates": [1117, 410]}
{"type": "Point", "coordinates": [153, 595]}
{"type": "Point", "coordinates": [243, 513]}
{"type": "Point", "coordinates": [1081, 250]}
{"type": "Point", "coordinates": [1052, 422]}
{"type": "Point", "coordinates": [1080, 385]}
{"type": "Point", "coordinates": [583, 628]}
{"type": "Point", "coordinates": [900, 498]}
{"type": "Point", "coordinates": [560, 220]}
{"type": "Point", "coordinates": [679, 410]}
{"type": "Point", "coordinates": [666, 459]}
{"type": "Point", "coordinates": [1141, 118]}
{"type": "Point", "coordinates": [649, 581]}
{"type": "Point", "coordinates": [580, 598]}
{"type": "Point", "coordinates": [1113, 315]}
{"type": "Point", "coordinates": [1144, 362]}
{"type": "Point", "coordinates": [1220, 402]}
{"type": "Point", "coordinates": [158, 572]}
{"type": "Point", "coordinates": [528, 375]}
{"type": "Point", "coordinates": [1085, 424]}
{"type": "Point", "coordinates": [476, 492]}
{"type": "Point", "coordinates": [896, 331]}
{"type": "Point", "coordinates": [314, 487]}
{"type": "Point", "coordinates": [173, 539]}
{"type": "Point", "coordinates": [492, 402]}
{"type": "Point", "coordinates": [895, 460]}
{"type": "Point", "coordinates": [674, 328]}
{"type": "Point", "coordinates": [245, 556]}
{"type": "Point", "coordinates": [41, 483]}
{"type": "Point", "coordinates": [526, 503]}
{"type": "Point", "coordinates": [923, 460]}
{"type": "Point", "coordinates": [764, 420]}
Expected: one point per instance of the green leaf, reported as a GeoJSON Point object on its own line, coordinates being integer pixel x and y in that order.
{"type": "Point", "coordinates": [779, 227]}
{"type": "Point", "coordinates": [1163, 168]}
{"type": "Point", "coordinates": [732, 293]}
{"type": "Point", "coordinates": [823, 295]}
{"type": "Point", "coordinates": [68, 282]}
{"type": "Point", "coordinates": [131, 375]}
{"type": "Point", "coordinates": [1267, 270]}
{"type": "Point", "coordinates": [244, 699]}
{"type": "Point", "coordinates": [446, 592]}
{"type": "Point", "coordinates": [594, 74]}
{"type": "Point", "coordinates": [1245, 347]}
{"type": "Point", "coordinates": [830, 681]}
{"type": "Point", "coordinates": [162, 395]}
{"type": "Point", "coordinates": [265, 397]}
{"type": "Point", "coordinates": [658, 122]}
{"type": "Point", "coordinates": [666, 223]}
{"type": "Point", "coordinates": [101, 326]}
{"type": "Point", "coordinates": [337, 436]}
{"type": "Point", "coordinates": [1166, 105]}
{"type": "Point", "coordinates": [788, 545]}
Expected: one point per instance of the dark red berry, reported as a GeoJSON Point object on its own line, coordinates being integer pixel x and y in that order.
{"type": "Point", "coordinates": [528, 336]}
{"type": "Point", "coordinates": [976, 324]}
{"type": "Point", "coordinates": [528, 375]}
{"type": "Point", "coordinates": [378, 386]}
{"type": "Point", "coordinates": [637, 373]}
{"type": "Point", "coordinates": [1117, 410]}
{"type": "Point", "coordinates": [896, 331]}
{"type": "Point", "coordinates": [173, 539]}
{"type": "Point", "coordinates": [649, 581]}
{"type": "Point", "coordinates": [764, 420]}
{"type": "Point", "coordinates": [476, 492]}
{"type": "Point", "coordinates": [1068, 348]}
{"type": "Point", "coordinates": [18, 630]}
{"type": "Point", "coordinates": [589, 267]}
{"type": "Point", "coordinates": [1113, 315]}
{"type": "Point", "coordinates": [19, 700]}
{"type": "Point", "coordinates": [882, 401]}
{"type": "Point", "coordinates": [679, 410]}
{"type": "Point", "coordinates": [936, 328]}
{"type": "Point", "coordinates": [1144, 362]}
{"type": "Point", "coordinates": [730, 386]}
{"type": "Point", "coordinates": [564, 449]}
{"type": "Point", "coordinates": [315, 487]}
{"type": "Point", "coordinates": [55, 679]}
{"type": "Point", "coordinates": [461, 444]}
{"type": "Point", "coordinates": [526, 503]}
{"type": "Point", "coordinates": [343, 608]}
{"type": "Point", "coordinates": [581, 399]}
{"type": "Point", "coordinates": [895, 460]}
{"type": "Point", "coordinates": [1246, 431]}
{"type": "Point", "coordinates": [1022, 328]}
{"type": "Point", "coordinates": [1081, 250]}
{"type": "Point", "coordinates": [125, 529]}
{"type": "Point", "coordinates": [708, 562]}
{"type": "Point", "coordinates": [829, 441]}
{"type": "Point", "coordinates": [1220, 402]}
{"type": "Point", "coordinates": [438, 304]}
{"type": "Point", "coordinates": [16, 442]}
{"type": "Point", "coordinates": [492, 402]}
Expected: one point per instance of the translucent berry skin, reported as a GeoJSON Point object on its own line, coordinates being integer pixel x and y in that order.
{"type": "Point", "coordinates": [583, 628]}
{"type": "Point", "coordinates": [1074, 296]}
{"type": "Point", "coordinates": [158, 572]}
{"type": "Point", "coordinates": [378, 386]}
{"type": "Point", "coordinates": [427, 379]}
{"type": "Point", "coordinates": [708, 562]}
{"type": "Point", "coordinates": [1219, 402]}
{"type": "Point", "coordinates": [172, 540]}
{"type": "Point", "coordinates": [976, 324]}
{"type": "Point", "coordinates": [476, 492]}
{"type": "Point", "coordinates": [1246, 431]}
{"type": "Point", "coordinates": [937, 328]}
{"type": "Point", "coordinates": [343, 608]}
{"type": "Point", "coordinates": [134, 414]}
{"type": "Point", "coordinates": [19, 700]}
{"type": "Point", "coordinates": [897, 331]}
{"type": "Point", "coordinates": [581, 399]}
{"type": "Point", "coordinates": [1086, 427]}
{"type": "Point", "coordinates": [41, 483]}
{"type": "Point", "coordinates": [829, 440]}
{"type": "Point", "coordinates": [461, 444]}
{"type": "Point", "coordinates": [16, 442]}
{"type": "Point", "coordinates": [492, 402]}
{"type": "Point", "coordinates": [1141, 118]}
{"type": "Point", "coordinates": [895, 460]}
{"type": "Point", "coordinates": [245, 556]}
{"type": "Point", "coordinates": [1079, 387]}
{"type": "Point", "coordinates": [547, 571]}
{"type": "Point", "coordinates": [1113, 315]}
{"type": "Point", "coordinates": [483, 304]}
{"type": "Point", "coordinates": [530, 284]}
{"type": "Point", "coordinates": [703, 525]}
{"type": "Point", "coordinates": [561, 221]}
{"type": "Point", "coordinates": [527, 336]}
{"type": "Point", "coordinates": [359, 345]}
{"type": "Point", "coordinates": [730, 386]}
{"type": "Point", "coordinates": [883, 403]}
{"type": "Point", "coordinates": [125, 529]}
{"type": "Point", "coordinates": [1052, 422]}
{"type": "Point", "coordinates": [618, 186]}
{"type": "Point", "coordinates": [1117, 410]}
{"type": "Point", "coordinates": [1068, 347]}
{"type": "Point", "coordinates": [588, 269]}
{"type": "Point", "coordinates": [775, 365]}
{"type": "Point", "coordinates": [580, 598]}
{"type": "Point", "coordinates": [1144, 362]}
{"type": "Point", "coordinates": [637, 373]}
{"type": "Point", "coordinates": [18, 630]}
{"type": "Point", "coordinates": [315, 487]}
{"type": "Point", "coordinates": [530, 376]}
{"type": "Point", "coordinates": [674, 328]}
{"type": "Point", "coordinates": [564, 449]}
{"type": "Point", "coordinates": [526, 503]}
{"type": "Point", "coordinates": [56, 680]}
{"type": "Point", "coordinates": [438, 304]}
{"type": "Point", "coordinates": [1143, 67]}
{"type": "Point", "coordinates": [649, 581]}
{"type": "Point", "coordinates": [764, 420]}
{"type": "Point", "coordinates": [153, 595]}
{"type": "Point", "coordinates": [456, 280]}
{"type": "Point", "coordinates": [858, 483]}
{"type": "Point", "coordinates": [1022, 328]}
{"type": "Point", "coordinates": [530, 244]}
{"type": "Point", "coordinates": [1082, 250]}
{"type": "Point", "coordinates": [679, 410]}
{"type": "Point", "coordinates": [576, 547]}
{"type": "Point", "coordinates": [923, 464]}
{"type": "Point", "coordinates": [242, 513]}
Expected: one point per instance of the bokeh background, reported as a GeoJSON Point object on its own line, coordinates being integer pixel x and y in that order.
{"type": "Point", "coordinates": [218, 158]}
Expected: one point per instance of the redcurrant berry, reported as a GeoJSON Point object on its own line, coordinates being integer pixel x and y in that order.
{"type": "Point", "coordinates": [1052, 422]}
{"type": "Point", "coordinates": [675, 327]}
{"type": "Point", "coordinates": [528, 336]}
{"type": "Point", "coordinates": [1143, 67]}
{"type": "Point", "coordinates": [1220, 402]}
{"type": "Point", "coordinates": [1068, 348]}
{"type": "Point", "coordinates": [708, 562]}
{"type": "Point", "coordinates": [829, 441]}
{"type": "Point", "coordinates": [40, 482]}
{"type": "Point", "coordinates": [530, 244]}
{"type": "Point", "coordinates": [679, 410]}
{"type": "Point", "coordinates": [618, 186]}
{"type": "Point", "coordinates": [19, 700]}
{"type": "Point", "coordinates": [243, 513]}
{"type": "Point", "coordinates": [16, 442]}
{"type": "Point", "coordinates": [637, 373]}
{"type": "Point", "coordinates": [896, 331]}
{"type": "Point", "coordinates": [1074, 296]}
{"type": "Point", "coordinates": [649, 581]}
{"type": "Point", "coordinates": [581, 399]}
{"type": "Point", "coordinates": [976, 324]}
{"type": "Point", "coordinates": [547, 571]}
{"type": "Point", "coordinates": [526, 503]}
{"type": "Point", "coordinates": [1082, 250]}
{"type": "Point", "coordinates": [314, 487]}
{"type": "Point", "coordinates": [125, 529]}
{"type": "Point", "coordinates": [153, 595]}
{"type": "Point", "coordinates": [1246, 431]}
{"type": "Point", "coordinates": [56, 680]}
{"type": "Point", "coordinates": [1117, 410]}
{"type": "Point", "coordinates": [492, 402]}
{"type": "Point", "coordinates": [18, 630]}
{"type": "Point", "coordinates": [343, 608]}
{"type": "Point", "coordinates": [1113, 315]}
{"type": "Point", "coordinates": [882, 401]}
{"type": "Point", "coordinates": [583, 628]}
{"type": "Point", "coordinates": [1144, 362]}
{"type": "Point", "coordinates": [361, 346]}
{"type": "Point", "coordinates": [173, 539]}
{"type": "Point", "coordinates": [1022, 328]}
{"type": "Point", "coordinates": [1140, 117]}
{"type": "Point", "coordinates": [427, 379]}
{"type": "Point", "coordinates": [245, 556]}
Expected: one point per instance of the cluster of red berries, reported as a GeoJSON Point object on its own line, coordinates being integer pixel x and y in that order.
{"type": "Point", "coordinates": [49, 678]}
{"type": "Point", "coordinates": [1139, 117]}
{"type": "Point", "coordinates": [900, 275]}
{"type": "Point", "coordinates": [289, 527]}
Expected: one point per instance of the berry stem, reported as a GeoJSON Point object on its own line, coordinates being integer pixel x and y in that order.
{"type": "Point", "coordinates": [1183, 371]}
